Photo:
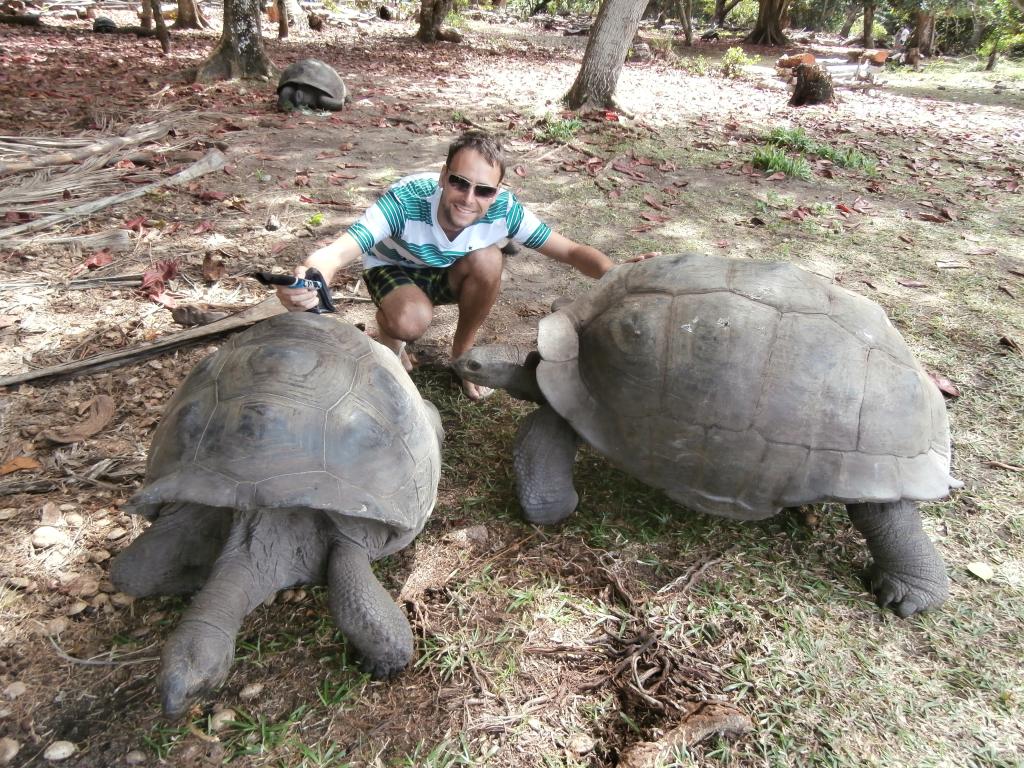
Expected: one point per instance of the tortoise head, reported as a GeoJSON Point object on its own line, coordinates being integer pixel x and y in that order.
{"type": "Point", "coordinates": [502, 366]}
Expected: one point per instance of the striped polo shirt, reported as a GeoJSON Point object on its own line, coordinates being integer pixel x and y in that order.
{"type": "Point", "coordinates": [401, 227]}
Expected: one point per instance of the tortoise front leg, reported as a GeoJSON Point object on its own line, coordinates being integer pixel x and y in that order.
{"type": "Point", "coordinates": [542, 457]}
{"type": "Point", "coordinates": [284, 98]}
{"type": "Point", "coordinates": [264, 552]}
{"type": "Point", "coordinates": [365, 613]}
{"type": "Point", "coordinates": [175, 554]}
{"type": "Point", "coordinates": [906, 573]}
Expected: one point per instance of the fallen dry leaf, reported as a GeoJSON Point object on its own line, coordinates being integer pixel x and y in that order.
{"type": "Point", "coordinates": [777, 176]}
{"type": "Point", "coordinates": [912, 284]}
{"type": "Point", "coordinates": [520, 171]}
{"type": "Point", "coordinates": [1010, 342]}
{"type": "Point", "coordinates": [190, 315]}
{"type": "Point", "coordinates": [18, 463]}
{"type": "Point", "coordinates": [213, 267]}
{"type": "Point", "coordinates": [101, 411]}
{"type": "Point", "coordinates": [945, 385]}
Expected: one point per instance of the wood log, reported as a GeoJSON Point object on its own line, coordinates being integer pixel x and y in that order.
{"type": "Point", "coordinates": [25, 20]}
{"type": "Point", "coordinates": [813, 86]}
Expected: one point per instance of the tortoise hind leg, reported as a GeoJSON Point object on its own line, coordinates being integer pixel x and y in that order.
{"type": "Point", "coordinates": [264, 552]}
{"type": "Point", "coordinates": [542, 457]}
{"type": "Point", "coordinates": [906, 572]}
{"type": "Point", "coordinates": [175, 554]}
{"type": "Point", "coordinates": [365, 613]}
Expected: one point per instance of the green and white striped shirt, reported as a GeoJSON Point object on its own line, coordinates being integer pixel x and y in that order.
{"type": "Point", "coordinates": [401, 227]}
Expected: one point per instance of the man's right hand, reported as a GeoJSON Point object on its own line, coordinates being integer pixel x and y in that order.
{"type": "Point", "coordinates": [297, 299]}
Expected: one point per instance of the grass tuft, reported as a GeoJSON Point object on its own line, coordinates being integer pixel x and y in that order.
{"type": "Point", "coordinates": [774, 160]}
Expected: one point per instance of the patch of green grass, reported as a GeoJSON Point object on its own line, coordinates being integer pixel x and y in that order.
{"type": "Point", "coordinates": [695, 65]}
{"type": "Point", "coordinates": [774, 160]}
{"type": "Point", "coordinates": [316, 220]}
{"type": "Point", "coordinates": [556, 130]}
{"type": "Point", "coordinates": [797, 140]}
{"type": "Point", "coordinates": [256, 734]}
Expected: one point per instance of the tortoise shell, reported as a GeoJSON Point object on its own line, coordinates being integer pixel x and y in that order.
{"type": "Point", "coordinates": [315, 74]}
{"type": "Point", "coordinates": [299, 411]}
{"type": "Point", "coordinates": [741, 387]}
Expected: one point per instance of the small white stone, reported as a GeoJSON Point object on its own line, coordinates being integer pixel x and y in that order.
{"type": "Point", "coordinates": [77, 607]}
{"type": "Point", "coordinates": [51, 514]}
{"type": "Point", "coordinates": [121, 600]}
{"type": "Point", "coordinates": [220, 720]}
{"type": "Point", "coordinates": [15, 689]}
{"type": "Point", "coordinates": [7, 513]}
{"type": "Point", "coordinates": [84, 586]}
{"type": "Point", "coordinates": [59, 750]}
{"type": "Point", "coordinates": [20, 582]}
{"type": "Point", "coordinates": [250, 691]}
{"type": "Point", "coordinates": [73, 518]}
{"type": "Point", "coordinates": [99, 555]}
{"type": "Point", "coordinates": [135, 757]}
{"type": "Point", "coordinates": [8, 750]}
{"type": "Point", "coordinates": [116, 533]}
{"type": "Point", "coordinates": [57, 625]}
{"type": "Point", "coordinates": [45, 536]}
{"type": "Point", "coordinates": [580, 743]}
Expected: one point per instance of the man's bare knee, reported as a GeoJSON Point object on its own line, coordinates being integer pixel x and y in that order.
{"type": "Point", "coordinates": [406, 320]}
{"type": "Point", "coordinates": [482, 266]}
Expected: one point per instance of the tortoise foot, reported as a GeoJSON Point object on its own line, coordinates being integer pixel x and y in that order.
{"type": "Point", "coordinates": [905, 593]}
{"type": "Point", "coordinates": [196, 660]}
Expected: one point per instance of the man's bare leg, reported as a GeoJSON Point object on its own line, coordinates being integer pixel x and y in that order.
{"type": "Point", "coordinates": [404, 315]}
{"type": "Point", "coordinates": [476, 281]}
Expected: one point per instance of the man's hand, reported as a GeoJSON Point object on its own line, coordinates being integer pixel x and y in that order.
{"type": "Point", "coordinates": [328, 260]}
{"type": "Point", "coordinates": [297, 299]}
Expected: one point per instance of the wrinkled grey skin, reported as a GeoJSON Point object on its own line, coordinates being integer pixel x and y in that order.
{"type": "Point", "coordinates": [295, 455]}
{"type": "Point", "coordinates": [739, 388]}
{"type": "Point", "coordinates": [310, 83]}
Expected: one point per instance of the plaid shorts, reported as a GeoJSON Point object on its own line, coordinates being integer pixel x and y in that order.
{"type": "Point", "coordinates": [433, 281]}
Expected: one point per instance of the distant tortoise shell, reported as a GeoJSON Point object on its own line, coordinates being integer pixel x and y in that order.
{"type": "Point", "coordinates": [741, 387]}
{"type": "Point", "coordinates": [315, 74]}
{"type": "Point", "coordinates": [300, 410]}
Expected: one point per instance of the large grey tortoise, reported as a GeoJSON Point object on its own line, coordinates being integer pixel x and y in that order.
{"type": "Point", "coordinates": [739, 388]}
{"type": "Point", "coordinates": [310, 83]}
{"type": "Point", "coordinates": [296, 454]}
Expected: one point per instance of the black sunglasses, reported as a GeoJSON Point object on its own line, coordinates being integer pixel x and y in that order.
{"type": "Point", "coordinates": [484, 191]}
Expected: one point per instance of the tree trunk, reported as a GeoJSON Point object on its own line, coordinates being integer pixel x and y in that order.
{"type": "Point", "coordinates": [851, 16]}
{"type": "Point", "coordinates": [161, 27]}
{"type": "Point", "coordinates": [768, 29]}
{"type": "Point", "coordinates": [722, 9]}
{"type": "Point", "coordinates": [291, 18]}
{"type": "Point", "coordinates": [240, 52]}
{"type": "Point", "coordinates": [685, 10]}
{"type": "Point", "coordinates": [868, 39]}
{"type": "Point", "coordinates": [991, 64]}
{"type": "Point", "coordinates": [432, 16]}
{"type": "Point", "coordinates": [607, 46]}
{"type": "Point", "coordinates": [190, 16]}
{"type": "Point", "coordinates": [924, 33]}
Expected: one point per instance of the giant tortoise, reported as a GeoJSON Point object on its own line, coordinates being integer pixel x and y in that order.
{"type": "Point", "coordinates": [296, 454]}
{"type": "Point", "coordinates": [738, 387]}
{"type": "Point", "coordinates": [310, 83]}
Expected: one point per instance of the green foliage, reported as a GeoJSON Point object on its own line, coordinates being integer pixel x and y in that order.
{"type": "Point", "coordinates": [695, 65]}
{"type": "Point", "coordinates": [878, 32]}
{"type": "Point", "coordinates": [734, 60]}
{"type": "Point", "coordinates": [798, 140]}
{"type": "Point", "coordinates": [552, 130]}
{"type": "Point", "coordinates": [316, 220]}
{"type": "Point", "coordinates": [773, 160]}
{"type": "Point", "coordinates": [743, 15]}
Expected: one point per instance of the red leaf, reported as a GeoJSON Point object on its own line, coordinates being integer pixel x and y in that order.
{"type": "Point", "coordinates": [912, 283]}
{"type": "Point", "coordinates": [777, 176]}
{"type": "Point", "coordinates": [155, 279]}
{"type": "Point", "coordinates": [520, 171]}
{"type": "Point", "coordinates": [98, 259]}
{"type": "Point", "coordinates": [722, 243]}
{"type": "Point", "coordinates": [135, 224]}
{"type": "Point", "coordinates": [656, 217]}
{"type": "Point", "coordinates": [945, 385]}
{"type": "Point", "coordinates": [725, 164]}
{"type": "Point", "coordinates": [206, 195]}
{"type": "Point", "coordinates": [906, 239]}
{"type": "Point", "coordinates": [204, 226]}
{"type": "Point", "coordinates": [611, 117]}
{"type": "Point", "coordinates": [124, 164]}
{"type": "Point", "coordinates": [649, 199]}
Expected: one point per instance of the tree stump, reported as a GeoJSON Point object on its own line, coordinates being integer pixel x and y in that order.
{"type": "Point", "coordinates": [813, 86]}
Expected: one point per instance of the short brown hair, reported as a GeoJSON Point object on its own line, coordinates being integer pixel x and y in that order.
{"type": "Point", "coordinates": [487, 144]}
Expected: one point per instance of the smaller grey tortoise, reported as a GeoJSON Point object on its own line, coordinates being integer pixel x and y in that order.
{"type": "Point", "coordinates": [738, 387]}
{"type": "Point", "coordinates": [296, 454]}
{"type": "Point", "coordinates": [310, 83]}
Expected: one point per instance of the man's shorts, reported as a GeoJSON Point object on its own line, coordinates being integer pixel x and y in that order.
{"type": "Point", "coordinates": [433, 281]}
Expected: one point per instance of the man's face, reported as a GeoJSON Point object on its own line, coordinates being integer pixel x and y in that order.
{"type": "Point", "coordinates": [460, 207]}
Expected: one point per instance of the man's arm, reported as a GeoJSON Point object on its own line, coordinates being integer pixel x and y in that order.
{"type": "Point", "coordinates": [584, 258]}
{"type": "Point", "coordinates": [328, 260]}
